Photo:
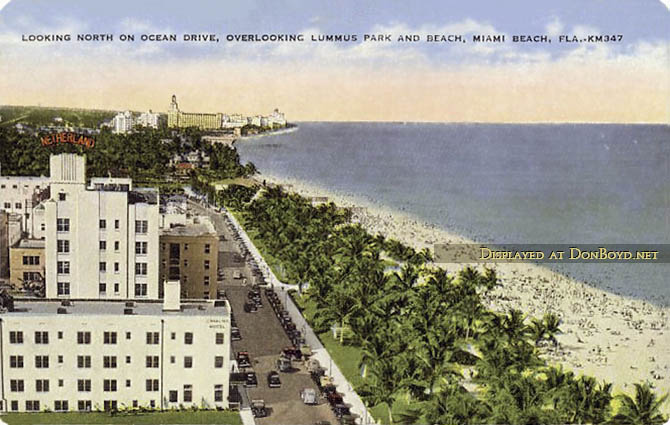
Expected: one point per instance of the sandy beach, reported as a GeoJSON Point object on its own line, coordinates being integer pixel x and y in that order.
{"type": "Point", "coordinates": [610, 336]}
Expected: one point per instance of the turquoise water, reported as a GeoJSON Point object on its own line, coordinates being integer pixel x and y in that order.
{"type": "Point", "coordinates": [500, 183]}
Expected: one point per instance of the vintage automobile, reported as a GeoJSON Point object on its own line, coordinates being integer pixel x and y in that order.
{"type": "Point", "coordinates": [235, 334]}
{"type": "Point", "coordinates": [284, 364]}
{"type": "Point", "coordinates": [243, 359]}
{"type": "Point", "coordinates": [252, 380]}
{"type": "Point", "coordinates": [309, 396]}
{"type": "Point", "coordinates": [273, 380]}
{"type": "Point", "coordinates": [258, 408]}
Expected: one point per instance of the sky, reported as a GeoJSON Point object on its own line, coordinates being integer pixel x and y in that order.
{"type": "Point", "coordinates": [625, 81]}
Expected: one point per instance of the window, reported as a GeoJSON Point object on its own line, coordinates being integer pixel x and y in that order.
{"type": "Point", "coordinates": [207, 248]}
{"type": "Point", "coordinates": [103, 224]}
{"type": "Point", "coordinates": [61, 406]}
{"type": "Point", "coordinates": [60, 382]}
{"type": "Point", "coordinates": [110, 405]}
{"type": "Point", "coordinates": [42, 385]}
{"type": "Point", "coordinates": [127, 383]}
{"type": "Point", "coordinates": [173, 359]}
{"type": "Point", "coordinates": [33, 405]}
{"type": "Point", "coordinates": [16, 337]}
{"type": "Point", "coordinates": [63, 267]}
{"type": "Point", "coordinates": [152, 385]}
{"type": "Point", "coordinates": [109, 337]}
{"type": "Point", "coordinates": [8, 205]}
{"type": "Point", "coordinates": [116, 246]}
{"type": "Point", "coordinates": [16, 361]}
{"type": "Point", "coordinates": [117, 224]}
{"type": "Point", "coordinates": [219, 338]}
{"type": "Point", "coordinates": [32, 277]}
{"type": "Point", "coordinates": [218, 392]}
{"type": "Point", "coordinates": [188, 393]}
{"type": "Point", "coordinates": [63, 246]}
{"type": "Point", "coordinates": [17, 205]}
{"type": "Point", "coordinates": [109, 362]}
{"type": "Point", "coordinates": [141, 269]}
{"type": "Point", "coordinates": [60, 334]}
{"type": "Point", "coordinates": [102, 288]}
{"type": "Point", "coordinates": [109, 385]}
{"type": "Point", "coordinates": [31, 260]}
{"type": "Point", "coordinates": [63, 288]}
{"type": "Point", "coordinates": [60, 359]}
{"type": "Point", "coordinates": [116, 288]}
{"type": "Point", "coordinates": [103, 245]}
{"type": "Point", "coordinates": [173, 335]}
{"type": "Point", "coordinates": [84, 362]}
{"type": "Point", "coordinates": [140, 289]}
{"type": "Point", "coordinates": [103, 267]}
{"type": "Point", "coordinates": [206, 264]}
{"type": "Point", "coordinates": [61, 196]}
{"type": "Point", "coordinates": [128, 335]}
{"type": "Point", "coordinates": [42, 362]}
{"type": "Point", "coordinates": [63, 224]}
{"type": "Point", "coordinates": [185, 247]}
{"type": "Point", "coordinates": [188, 338]}
{"type": "Point", "coordinates": [174, 396]}
{"type": "Point", "coordinates": [188, 362]}
{"type": "Point", "coordinates": [116, 267]}
{"type": "Point", "coordinates": [141, 226]}
{"type": "Point", "coordinates": [185, 262]}
{"type": "Point", "coordinates": [84, 385]}
{"type": "Point", "coordinates": [152, 338]}
{"type": "Point", "coordinates": [141, 248]}
{"type": "Point", "coordinates": [84, 405]}
{"type": "Point", "coordinates": [206, 281]}
{"type": "Point", "coordinates": [15, 405]}
{"type": "Point", "coordinates": [152, 361]}
{"type": "Point", "coordinates": [218, 362]}
{"type": "Point", "coordinates": [16, 385]}
{"type": "Point", "coordinates": [41, 337]}
{"type": "Point", "coordinates": [127, 359]}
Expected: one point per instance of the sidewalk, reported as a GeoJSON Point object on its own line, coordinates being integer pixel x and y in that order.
{"type": "Point", "coordinates": [319, 352]}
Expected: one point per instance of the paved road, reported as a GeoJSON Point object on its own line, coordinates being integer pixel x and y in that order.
{"type": "Point", "coordinates": [264, 338]}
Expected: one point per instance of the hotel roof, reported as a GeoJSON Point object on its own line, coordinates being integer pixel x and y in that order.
{"type": "Point", "coordinates": [44, 307]}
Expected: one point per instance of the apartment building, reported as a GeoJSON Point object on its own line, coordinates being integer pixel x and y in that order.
{"type": "Point", "coordinates": [19, 195]}
{"type": "Point", "coordinates": [27, 262]}
{"type": "Point", "coordinates": [10, 233]}
{"type": "Point", "coordinates": [189, 253]}
{"type": "Point", "coordinates": [101, 240]}
{"type": "Point", "coordinates": [81, 355]}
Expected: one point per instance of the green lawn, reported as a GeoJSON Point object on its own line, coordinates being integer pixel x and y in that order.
{"type": "Point", "coordinates": [185, 417]}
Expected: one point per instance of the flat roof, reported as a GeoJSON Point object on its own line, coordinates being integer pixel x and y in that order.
{"type": "Point", "coordinates": [203, 227]}
{"type": "Point", "coordinates": [42, 307]}
{"type": "Point", "coordinates": [30, 243]}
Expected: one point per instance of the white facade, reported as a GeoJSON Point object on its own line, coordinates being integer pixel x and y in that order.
{"type": "Point", "coordinates": [98, 357]}
{"type": "Point", "coordinates": [102, 241]}
{"type": "Point", "coordinates": [123, 122]}
{"type": "Point", "coordinates": [148, 119]}
{"type": "Point", "coordinates": [16, 196]}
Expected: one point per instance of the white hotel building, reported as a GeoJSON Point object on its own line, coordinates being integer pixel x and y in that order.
{"type": "Point", "coordinates": [101, 240]}
{"type": "Point", "coordinates": [89, 355]}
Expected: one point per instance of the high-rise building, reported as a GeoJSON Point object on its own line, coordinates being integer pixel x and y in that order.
{"type": "Point", "coordinates": [101, 240]}
{"type": "Point", "coordinates": [123, 122]}
{"type": "Point", "coordinates": [147, 119]}
{"type": "Point", "coordinates": [178, 119]}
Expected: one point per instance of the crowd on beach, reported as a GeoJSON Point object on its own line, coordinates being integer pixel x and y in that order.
{"type": "Point", "coordinates": [608, 335]}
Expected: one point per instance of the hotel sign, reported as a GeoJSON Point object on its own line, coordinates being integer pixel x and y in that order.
{"type": "Point", "coordinates": [68, 137]}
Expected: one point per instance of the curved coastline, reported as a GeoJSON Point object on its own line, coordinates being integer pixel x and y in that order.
{"type": "Point", "coordinates": [611, 336]}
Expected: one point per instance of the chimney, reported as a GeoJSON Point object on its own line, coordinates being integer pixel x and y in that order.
{"type": "Point", "coordinates": [171, 296]}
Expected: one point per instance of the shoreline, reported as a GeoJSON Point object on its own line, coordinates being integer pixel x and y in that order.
{"type": "Point", "coordinates": [267, 133]}
{"type": "Point", "coordinates": [610, 336]}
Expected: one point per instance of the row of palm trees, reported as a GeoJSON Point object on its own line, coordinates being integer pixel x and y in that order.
{"type": "Point", "coordinates": [431, 351]}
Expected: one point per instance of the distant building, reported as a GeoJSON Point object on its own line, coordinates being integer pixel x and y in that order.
{"type": "Point", "coordinates": [123, 122]}
{"type": "Point", "coordinates": [27, 262]}
{"type": "Point", "coordinates": [148, 119]}
{"type": "Point", "coordinates": [19, 195]}
{"type": "Point", "coordinates": [189, 253]}
{"type": "Point", "coordinates": [255, 120]}
{"type": "Point", "coordinates": [277, 119]}
{"type": "Point", "coordinates": [178, 119]}
{"type": "Point", "coordinates": [85, 355]}
{"type": "Point", "coordinates": [10, 234]}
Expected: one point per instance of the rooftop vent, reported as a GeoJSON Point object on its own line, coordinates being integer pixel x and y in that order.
{"type": "Point", "coordinates": [219, 303]}
{"type": "Point", "coordinates": [130, 304]}
{"type": "Point", "coordinates": [61, 310]}
{"type": "Point", "coordinates": [127, 311]}
{"type": "Point", "coordinates": [66, 303]}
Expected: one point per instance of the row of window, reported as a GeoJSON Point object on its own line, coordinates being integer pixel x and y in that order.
{"type": "Point", "coordinates": [174, 249]}
{"type": "Point", "coordinates": [141, 226]}
{"type": "Point", "coordinates": [85, 405]}
{"type": "Point", "coordinates": [108, 337]}
{"type": "Point", "coordinates": [17, 205]}
{"type": "Point", "coordinates": [108, 362]}
{"type": "Point", "coordinates": [31, 260]}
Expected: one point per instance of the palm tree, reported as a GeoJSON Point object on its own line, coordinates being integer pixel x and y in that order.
{"type": "Point", "coordinates": [382, 386]}
{"type": "Point", "coordinates": [551, 324]}
{"type": "Point", "coordinates": [644, 409]}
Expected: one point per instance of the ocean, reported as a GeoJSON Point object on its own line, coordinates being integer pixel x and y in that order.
{"type": "Point", "coordinates": [500, 183]}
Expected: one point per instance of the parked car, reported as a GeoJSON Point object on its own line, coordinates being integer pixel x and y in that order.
{"type": "Point", "coordinates": [284, 364]}
{"type": "Point", "coordinates": [341, 410]}
{"type": "Point", "coordinates": [235, 334]}
{"type": "Point", "coordinates": [250, 307]}
{"type": "Point", "coordinates": [258, 408]}
{"type": "Point", "coordinates": [273, 380]}
{"type": "Point", "coordinates": [334, 398]}
{"type": "Point", "coordinates": [252, 380]}
{"type": "Point", "coordinates": [309, 396]}
{"type": "Point", "coordinates": [292, 353]}
{"type": "Point", "coordinates": [243, 359]}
